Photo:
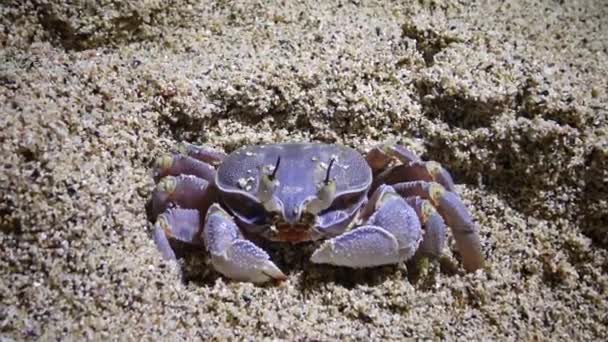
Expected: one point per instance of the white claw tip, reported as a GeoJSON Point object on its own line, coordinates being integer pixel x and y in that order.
{"type": "Point", "coordinates": [324, 254]}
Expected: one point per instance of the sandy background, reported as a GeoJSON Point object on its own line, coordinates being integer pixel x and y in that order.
{"type": "Point", "coordinates": [510, 96]}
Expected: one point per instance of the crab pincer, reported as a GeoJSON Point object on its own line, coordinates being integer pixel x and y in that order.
{"type": "Point", "coordinates": [232, 255]}
{"type": "Point", "coordinates": [390, 235]}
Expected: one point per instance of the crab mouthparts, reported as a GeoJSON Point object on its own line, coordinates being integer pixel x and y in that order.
{"type": "Point", "coordinates": [292, 232]}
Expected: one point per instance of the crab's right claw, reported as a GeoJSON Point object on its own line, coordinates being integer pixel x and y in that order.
{"type": "Point", "coordinates": [390, 235]}
{"type": "Point", "coordinates": [233, 256]}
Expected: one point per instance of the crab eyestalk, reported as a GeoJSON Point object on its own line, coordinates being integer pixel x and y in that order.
{"type": "Point", "coordinates": [325, 195]}
{"type": "Point", "coordinates": [267, 187]}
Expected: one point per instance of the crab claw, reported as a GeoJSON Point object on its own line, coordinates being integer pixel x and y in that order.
{"type": "Point", "coordinates": [233, 256]}
{"type": "Point", "coordinates": [366, 246]}
{"type": "Point", "coordinates": [392, 235]}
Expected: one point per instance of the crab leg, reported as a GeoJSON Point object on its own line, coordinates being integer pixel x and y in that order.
{"type": "Point", "coordinates": [203, 154]}
{"type": "Point", "coordinates": [433, 241]}
{"type": "Point", "coordinates": [233, 256]}
{"type": "Point", "coordinates": [380, 157]}
{"type": "Point", "coordinates": [184, 191]}
{"type": "Point", "coordinates": [179, 224]}
{"type": "Point", "coordinates": [178, 164]}
{"type": "Point", "coordinates": [418, 170]}
{"type": "Point", "coordinates": [411, 167]}
{"type": "Point", "coordinates": [391, 235]}
{"type": "Point", "coordinates": [455, 214]}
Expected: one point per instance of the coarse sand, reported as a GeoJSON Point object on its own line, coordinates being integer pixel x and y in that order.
{"type": "Point", "coordinates": [511, 96]}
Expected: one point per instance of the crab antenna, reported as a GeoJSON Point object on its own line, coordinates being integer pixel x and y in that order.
{"type": "Point", "coordinates": [331, 163]}
{"type": "Point", "coordinates": [276, 167]}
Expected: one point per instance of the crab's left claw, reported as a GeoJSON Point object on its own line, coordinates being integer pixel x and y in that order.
{"type": "Point", "coordinates": [233, 256]}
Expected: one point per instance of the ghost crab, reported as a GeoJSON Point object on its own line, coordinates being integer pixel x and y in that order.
{"type": "Point", "coordinates": [376, 209]}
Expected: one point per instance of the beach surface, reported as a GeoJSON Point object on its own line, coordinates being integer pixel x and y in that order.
{"type": "Point", "coordinates": [510, 96]}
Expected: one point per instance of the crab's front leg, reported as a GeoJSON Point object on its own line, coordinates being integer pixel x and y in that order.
{"type": "Point", "coordinates": [391, 234]}
{"type": "Point", "coordinates": [232, 255]}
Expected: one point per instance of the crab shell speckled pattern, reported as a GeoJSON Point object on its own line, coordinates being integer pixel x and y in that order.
{"type": "Point", "coordinates": [302, 170]}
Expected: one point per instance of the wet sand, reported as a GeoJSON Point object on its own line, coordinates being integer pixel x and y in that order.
{"type": "Point", "coordinates": [510, 97]}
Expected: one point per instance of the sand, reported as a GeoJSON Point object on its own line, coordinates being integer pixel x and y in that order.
{"type": "Point", "coordinates": [508, 95]}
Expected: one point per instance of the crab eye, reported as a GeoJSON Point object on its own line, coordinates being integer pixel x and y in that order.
{"type": "Point", "coordinates": [267, 187]}
{"type": "Point", "coordinates": [324, 198]}
{"type": "Point", "coordinates": [325, 195]}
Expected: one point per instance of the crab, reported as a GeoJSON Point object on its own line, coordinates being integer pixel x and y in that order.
{"type": "Point", "coordinates": [380, 208]}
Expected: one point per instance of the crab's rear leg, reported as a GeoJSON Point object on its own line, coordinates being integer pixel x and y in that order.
{"type": "Point", "coordinates": [391, 234]}
{"type": "Point", "coordinates": [409, 168]}
{"type": "Point", "coordinates": [456, 216]}
{"type": "Point", "coordinates": [202, 154]}
{"type": "Point", "coordinates": [429, 171]}
{"type": "Point", "coordinates": [179, 164]}
{"type": "Point", "coordinates": [232, 255]}
{"type": "Point", "coordinates": [380, 157]}
{"type": "Point", "coordinates": [191, 160]}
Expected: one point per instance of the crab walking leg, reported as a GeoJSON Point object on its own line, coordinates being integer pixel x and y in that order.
{"type": "Point", "coordinates": [178, 164]}
{"type": "Point", "coordinates": [183, 191]}
{"type": "Point", "coordinates": [203, 154]}
{"type": "Point", "coordinates": [233, 256]}
{"type": "Point", "coordinates": [178, 224]}
{"type": "Point", "coordinates": [417, 170]}
{"type": "Point", "coordinates": [380, 157]}
{"type": "Point", "coordinates": [391, 235]}
{"type": "Point", "coordinates": [456, 216]}
{"type": "Point", "coordinates": [433, 241]}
